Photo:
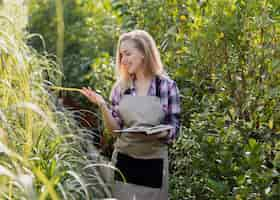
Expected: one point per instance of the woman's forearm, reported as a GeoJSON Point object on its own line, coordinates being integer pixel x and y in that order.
{"type": "Point", "coordinates": [110, 122]}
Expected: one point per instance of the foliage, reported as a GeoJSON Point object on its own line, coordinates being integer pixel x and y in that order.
{"type": "Point", "coordinates": [231, 100]}
{"type": "Point", "coordinates": [90, 28]}
{"type": "Point", "coordinates": [91, 33]}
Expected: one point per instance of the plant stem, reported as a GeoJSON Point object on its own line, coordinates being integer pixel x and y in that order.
{"type": "Point", "coordinates": [65, 89]}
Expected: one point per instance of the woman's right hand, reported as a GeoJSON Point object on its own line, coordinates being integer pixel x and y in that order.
{"type": "Point", "coordinates": [93, 96]}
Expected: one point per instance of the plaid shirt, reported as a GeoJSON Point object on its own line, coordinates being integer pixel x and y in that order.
{"type": "Point", "coordinates": [169, 99]}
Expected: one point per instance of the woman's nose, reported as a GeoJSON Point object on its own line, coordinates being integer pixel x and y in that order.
{"type": "Point", "coordinates": [124, 61]}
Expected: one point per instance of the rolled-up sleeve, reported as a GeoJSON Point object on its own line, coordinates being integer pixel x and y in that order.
{"type": "Point", "coordinates": [115, 99]}
{"type": "Point", "coordinates": [174, 109]}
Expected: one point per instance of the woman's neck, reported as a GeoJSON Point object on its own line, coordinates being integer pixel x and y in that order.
{"type": "Point", "coordinates": [143, 76]}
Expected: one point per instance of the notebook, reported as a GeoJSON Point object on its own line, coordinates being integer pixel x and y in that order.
{"type": "Point", "coordinates": [145, 130]}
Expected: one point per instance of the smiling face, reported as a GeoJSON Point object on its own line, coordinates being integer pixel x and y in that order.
{"type": "Point", "coordinates": [131, 58]}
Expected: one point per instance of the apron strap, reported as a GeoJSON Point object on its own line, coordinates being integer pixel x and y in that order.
{"type": "Point", "coordinates": [157, 86]}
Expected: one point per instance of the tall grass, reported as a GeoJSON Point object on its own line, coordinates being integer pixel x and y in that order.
{"type": "Point", "coordinates": [60, 32]}
{"type": "Point", "coordinates": [44, 154]}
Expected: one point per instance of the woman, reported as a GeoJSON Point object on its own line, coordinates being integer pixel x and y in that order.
{"type": "Point", "coordinates": [142, 96]}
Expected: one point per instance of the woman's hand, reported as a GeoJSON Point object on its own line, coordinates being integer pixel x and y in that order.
{"type": "Point", "coordinates": [93, 96]}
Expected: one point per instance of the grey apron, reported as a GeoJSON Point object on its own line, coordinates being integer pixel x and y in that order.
{"type": "Point", "coordinates": [137, 155]}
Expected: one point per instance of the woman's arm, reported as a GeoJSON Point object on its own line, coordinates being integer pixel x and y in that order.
{"type": "Point", "coordinates": [110, 122]}
{"type": "Point", "coordinates": [174, 109]}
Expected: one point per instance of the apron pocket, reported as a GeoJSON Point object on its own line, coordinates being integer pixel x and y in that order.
{"type": "Point", "coordinates": [145, 172]}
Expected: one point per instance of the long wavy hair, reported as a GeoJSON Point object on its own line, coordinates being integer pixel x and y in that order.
{"type": "Point", "coordinates": [144, 42]}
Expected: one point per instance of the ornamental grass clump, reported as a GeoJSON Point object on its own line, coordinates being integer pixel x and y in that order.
{"type": "Point", "coordinates": [44, 154]}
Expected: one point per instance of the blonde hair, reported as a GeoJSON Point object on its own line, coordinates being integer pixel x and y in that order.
{"type": "Point", "coordinates": [144, 42]}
